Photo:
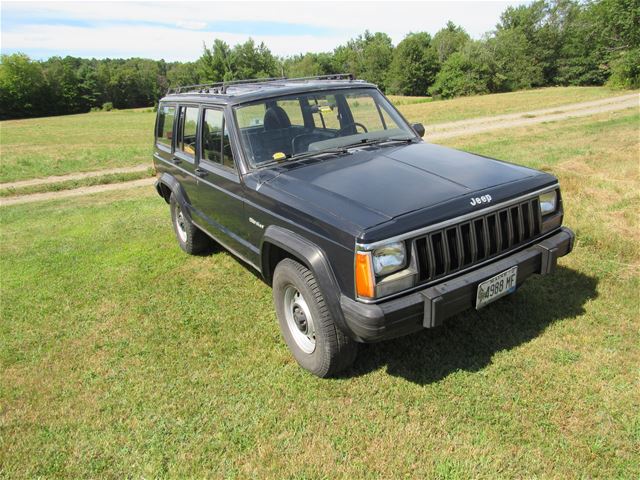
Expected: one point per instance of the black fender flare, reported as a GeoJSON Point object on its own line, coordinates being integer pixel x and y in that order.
{"type": "Point", "coordinates": [176, 189]}
{"type": "Point", "coordinates": [314, 259]}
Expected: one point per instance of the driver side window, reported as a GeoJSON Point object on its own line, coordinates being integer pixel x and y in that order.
{"type": "Point", "coordinates": [216, 147]}
{"type": "Point", "coordinates": [365, 111]}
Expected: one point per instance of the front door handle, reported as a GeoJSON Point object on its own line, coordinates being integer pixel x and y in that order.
{"type": "Point", "coordinates": [200, 172]}
{"type": "Point", "coordinates": [176, 160]}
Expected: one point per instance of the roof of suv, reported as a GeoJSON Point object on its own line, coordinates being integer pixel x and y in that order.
{"type": "Point", "coordinates": [242, 91]}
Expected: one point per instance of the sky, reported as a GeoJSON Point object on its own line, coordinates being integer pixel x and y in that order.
{"type": "Point", "coordinates": [176, 31]}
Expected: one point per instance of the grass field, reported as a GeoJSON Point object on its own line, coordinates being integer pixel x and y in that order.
{"type": "Point", "coordinates": [501, 103]}
{"type": "Point", "coordinates": [72, 184]}
{"type": "Point", "coordinates": [120, 356]}
{"type": "Point", "coordinates": [42, 147]}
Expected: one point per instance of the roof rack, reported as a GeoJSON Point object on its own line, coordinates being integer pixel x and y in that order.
{"type": "Point", "coordinates": [220, 88]}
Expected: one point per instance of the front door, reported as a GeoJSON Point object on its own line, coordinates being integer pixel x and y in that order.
{"type": "Point", "coordinates": [218, 193]}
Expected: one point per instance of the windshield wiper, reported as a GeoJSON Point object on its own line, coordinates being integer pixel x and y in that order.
{"type": "Point", "coordinates": [302, 156]}
{"type": "Point", "coordinates": [327, 151]}
{"type": "Point", "coordinates": [380, 141]}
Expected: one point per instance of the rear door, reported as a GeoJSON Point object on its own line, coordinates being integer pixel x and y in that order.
{"type": "Point", "coordinates": [185, 148]}
{"type": "Point", "coordinates": [218, 193]}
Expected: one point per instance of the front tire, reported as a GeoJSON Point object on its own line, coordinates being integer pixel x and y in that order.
{"type": "Point", "coordinates": [307, 326]}
{"type": "Point", "coordinates": [190, 238]}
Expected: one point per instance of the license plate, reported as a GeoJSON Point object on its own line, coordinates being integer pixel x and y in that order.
{"type": "Point", "coordinates": [496, 287]}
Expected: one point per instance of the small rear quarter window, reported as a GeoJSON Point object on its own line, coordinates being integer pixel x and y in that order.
{"type": "Point", "coordinates": [164, 125]}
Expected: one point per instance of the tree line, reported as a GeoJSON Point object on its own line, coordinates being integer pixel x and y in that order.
{"type": "Point", "coordinates": [545, 43]}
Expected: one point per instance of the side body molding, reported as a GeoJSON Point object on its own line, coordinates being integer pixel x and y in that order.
{"type": "Point", "coordinates": [314, 259]}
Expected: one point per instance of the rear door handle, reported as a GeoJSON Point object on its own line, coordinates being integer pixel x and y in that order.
{"type": "Point", "coordinates": [176, 160]}
{"type": "Point", "coordinates": [200, 172]}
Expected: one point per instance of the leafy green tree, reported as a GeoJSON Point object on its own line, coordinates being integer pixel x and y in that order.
{"type": "Point", "coordinates": [367, 56]}
{"type": "Point", "coordinates": [470, 71]}
{"type": "Point", "coordinates": [625, 70]}
{"type": "Point", "coordinates": [64, 84]}
{"type": "Point", "coordinates": [183, 74]}
{"type": "Point", "coordinates": [245, 60]}
{"type": "Point", "coordinates": [414, 66]}
{"type": "Point", "coordinates": [215, 62]}
{"type": "Point", "coordinates": [23, 87]}
{"type": "Point", "coordinates": [306, 65]}
{"type": "Point", "coordinates": [253, 61]}
{"type": "Point", "coordinates": [599, 39]}
{"type": "Point", "coordinates": [542, 25]}
{"type": "Point", "coordinates": [449, 40]}
{"type": "Point", "coordinates": [89, 87]}
{"type": "Point", "coordinates": [513, 68]}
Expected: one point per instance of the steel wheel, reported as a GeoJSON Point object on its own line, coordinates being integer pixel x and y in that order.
{"type": "Point", "coordinates": [299, 319]}
{"type": "Point", "coordinates": [181, 227]}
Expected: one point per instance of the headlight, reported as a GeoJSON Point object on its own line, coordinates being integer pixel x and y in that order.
{"type": "Point", "coordinates": [548, 202]}
{"type": "Point", "coordinates": [388, 258]}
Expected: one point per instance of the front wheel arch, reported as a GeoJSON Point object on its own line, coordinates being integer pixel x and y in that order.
{"type": "Point", "coordinates": [289, 244]}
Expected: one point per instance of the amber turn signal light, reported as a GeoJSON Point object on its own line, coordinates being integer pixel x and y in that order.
{"type": "Point", "coordinates": [364, 275]}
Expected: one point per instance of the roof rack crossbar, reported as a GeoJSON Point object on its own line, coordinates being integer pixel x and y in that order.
{"type": "Point", "coordinates": [220, 88]}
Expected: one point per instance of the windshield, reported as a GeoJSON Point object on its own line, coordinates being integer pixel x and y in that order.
{"type": "Point", "coordinates": [277, 129]}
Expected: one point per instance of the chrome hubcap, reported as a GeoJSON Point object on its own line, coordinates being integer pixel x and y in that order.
{"type": "Point", "coordinates": [299, 319]}
{"type": "Point", "coordinates": [181, 224]}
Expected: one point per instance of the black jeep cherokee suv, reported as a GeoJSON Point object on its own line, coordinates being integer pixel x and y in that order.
{"type": "Point", "coordinates": [364, 231]}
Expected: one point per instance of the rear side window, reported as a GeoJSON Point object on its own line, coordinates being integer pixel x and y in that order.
{"type": "Point", "coordinates": [164, 126]}
{"type": "Point", "coordinates": [187, 130]}
{"type": "Point", "coordinates": [216, 147]}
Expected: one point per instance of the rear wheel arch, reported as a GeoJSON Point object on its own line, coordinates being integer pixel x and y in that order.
{"type": "Point", "coordinates": [164, 191]}
{"type": "Point", "coordinates": [166, 185]}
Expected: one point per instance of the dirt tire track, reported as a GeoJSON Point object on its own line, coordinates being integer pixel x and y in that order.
{"type": "Point", "coordinates": [487, 124]}
{"type": "Point", "coordinates": [73, 176]}
{"type": "Point", "coordinates": [110, 187]}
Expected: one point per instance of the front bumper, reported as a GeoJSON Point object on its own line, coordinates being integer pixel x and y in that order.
{"type": "Point", "coordinates": [431, 306]}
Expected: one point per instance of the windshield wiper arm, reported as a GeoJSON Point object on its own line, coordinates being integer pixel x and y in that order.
{"type": "Point", "coordinates": [328, 151]}
{"type": "Point", "coordinates": [302, 156]}
{"type": "Point", "coordinates": [380, 141]}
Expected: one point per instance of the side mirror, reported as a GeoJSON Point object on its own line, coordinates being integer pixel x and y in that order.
{"type": "Point", "coordinates": [419, 128]}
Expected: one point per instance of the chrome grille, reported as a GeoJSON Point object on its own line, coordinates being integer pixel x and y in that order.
{"type": "Point", "coordinates": [459, 246]}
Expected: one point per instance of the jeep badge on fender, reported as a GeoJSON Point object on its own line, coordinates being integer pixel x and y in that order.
{"type": "Point", "coordinates": [355, 222]}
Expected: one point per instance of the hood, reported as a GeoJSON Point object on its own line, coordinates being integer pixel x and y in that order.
{"type": "Point", "coordinates": [373, 186]}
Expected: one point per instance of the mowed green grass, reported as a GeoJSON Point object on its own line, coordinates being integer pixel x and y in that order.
{"type": "Point", "coordinates": [416, 110]}
{"type": "Point", "coordinates": [121, 356]}
{"type": "Point", "coordinates": [41, 147]}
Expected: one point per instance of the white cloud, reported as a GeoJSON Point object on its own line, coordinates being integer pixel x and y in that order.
{"type": "Point", "coordinates": [147, 41]}
{"type": "Point", "coordinates": [176, 30]}
{"type": "Point", "coordinates": [192, 25]}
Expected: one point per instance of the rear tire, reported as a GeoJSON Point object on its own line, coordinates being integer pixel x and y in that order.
{"type": "Point", "coordinates": [190, 238]}
{"type": "Point", "coordinates": [306, 324]}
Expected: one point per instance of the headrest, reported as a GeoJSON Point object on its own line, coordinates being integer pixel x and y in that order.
{"type": "Point", "coordinates": [275, 118]}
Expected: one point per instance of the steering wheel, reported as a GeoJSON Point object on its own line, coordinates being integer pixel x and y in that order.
{"type": "Point", "coordinates": [298, 141]}
{"type": "Point", "coordinates": [356, 124]}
